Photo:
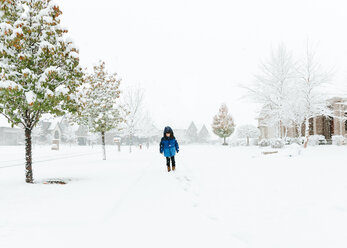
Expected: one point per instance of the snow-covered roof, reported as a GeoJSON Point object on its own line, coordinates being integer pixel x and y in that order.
{"type": "Point", "coordinates": [53, 125]}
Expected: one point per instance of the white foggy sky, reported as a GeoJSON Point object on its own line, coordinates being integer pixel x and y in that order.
{"type": "Point", "coordinates": [191, 55]}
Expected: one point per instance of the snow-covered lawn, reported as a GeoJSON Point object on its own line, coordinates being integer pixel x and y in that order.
{"type": "Point", "coordinates": [218, 197]}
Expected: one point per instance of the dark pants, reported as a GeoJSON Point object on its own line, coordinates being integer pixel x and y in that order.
{"type": "Point", "coordinates": [172, 161]}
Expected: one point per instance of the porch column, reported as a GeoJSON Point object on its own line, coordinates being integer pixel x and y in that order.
{"type": "Point", "coordinates": [315, 131]}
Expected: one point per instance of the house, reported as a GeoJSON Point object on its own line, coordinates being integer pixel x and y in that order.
{"type": "Point", "coordinates": [8, 135]}
{"type": "Point", "coordinates": [60, 129]}
{"type": "Point", "coordinates": [327, 126]}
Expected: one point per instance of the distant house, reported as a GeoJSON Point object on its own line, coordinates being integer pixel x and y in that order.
{"type": "Point", "coordinates": [204, 135]}
{"type": "Point", "coordinates": [10, 136]}
{"type": "Point", "coordinates": [191, 134]}
{"type": "Point", "coordinates": [53, 128]}
{"type": "Point", "coordinates": [327, 126]}
{"type": "Point", "coordinates": [60, 129]}
{"type": "Point", "coordinates": [181, 135]}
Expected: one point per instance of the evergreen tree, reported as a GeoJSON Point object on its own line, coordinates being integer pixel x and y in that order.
{"type": "Point", "coordinates": [203, 135]}
{"type": "Point", "coordinates": [223, 124]}
{"type": "Point", "coordinates": [39, 67]}
{"type": "Point", "coordinates": [99, 98]}
{"type": "Point", "coordinates": [192, 132]}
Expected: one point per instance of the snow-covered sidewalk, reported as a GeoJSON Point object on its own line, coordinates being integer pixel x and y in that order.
{"type": "Point", "coordinates": [218, 197]}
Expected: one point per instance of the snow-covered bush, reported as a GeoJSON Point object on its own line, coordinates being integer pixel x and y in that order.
{"type": "Point", "coordinates": [290, 140]}
{"type": "Point", "coordinates": [315, 140]}
{"type": "Point", "coordinates": [299, 141]}
{"type": "Point", "coordinates": [277, 143]}
{"type": "Point", "coordinates": [338, 140]}
{"type": "Point", "coordinates": [243, 142]}
{"type": "Point", "coordinates": [264, 143]}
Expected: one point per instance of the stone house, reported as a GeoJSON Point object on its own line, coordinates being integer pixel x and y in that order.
{"type": "Point", "coordinates": [327, 126]}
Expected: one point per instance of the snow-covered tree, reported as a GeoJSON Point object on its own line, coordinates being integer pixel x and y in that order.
{"type": "Point", "coordinates": [99, 98]}
{"type": "Point", "coordinates": [192, 132]}
{"type": "Point", "coordinates": [93, 138]}
{"type": "Point", "coordinates": [203, 135]}
{"type": "Point", "coordinates": [69, 135]}
{"type": "Point", "coordinates": [273, 87]}
{"type": "Point", "coordinates": [247, 132]}
{"type": "Point", "coordinates": [39, 67]}
{"type": "Point", "coordinates": [296, 113]}
{"type": "Point", "coordinates": [147, 128]}
{"type": "Point", "coordinates": [223, 123]}
{"type": "Point", "coordinates": [133, 103]}
{"type": "Point", "coordinates": [312, 78]}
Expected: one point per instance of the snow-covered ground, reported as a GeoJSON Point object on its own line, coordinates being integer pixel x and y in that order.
{"type": "Point", "coordinates": [218, 197]}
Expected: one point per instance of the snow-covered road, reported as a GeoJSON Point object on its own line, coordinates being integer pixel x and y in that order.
{"type": "Point", "coordinates": [218, 197]}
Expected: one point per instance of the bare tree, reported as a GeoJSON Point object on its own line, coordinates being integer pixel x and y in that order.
{"type": "Point", "coordinates": [147, 128]}
{"type": "Point", "coordinates": [312, 78]}
{"type": "Point", "coordinates": [133, 102]}
{"type": "Point", "coordinates": [272, 87]}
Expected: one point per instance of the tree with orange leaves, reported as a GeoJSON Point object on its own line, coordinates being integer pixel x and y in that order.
{"type": "Point", "coordinates": [39, 66]}
{"type": "Point", "coordinates": [223, 124]}
{"type": "Point", "coordinates": [99, 96]}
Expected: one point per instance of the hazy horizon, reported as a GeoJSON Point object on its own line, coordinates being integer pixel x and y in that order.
{"type": "Point", "coordinates": [191, 56]}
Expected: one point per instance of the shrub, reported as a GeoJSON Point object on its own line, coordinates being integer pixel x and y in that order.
{"type": "Point", "coordinates": [315, 140]}
{"type": "Point", "coordinates": [264, 143]}
{"type": "Point", "coordinates": [277, 143]}
{"type": "Point", "coordinates": [338, 140]}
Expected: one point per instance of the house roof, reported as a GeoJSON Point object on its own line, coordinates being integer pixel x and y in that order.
{"type": "Point", "coordinates": [53, 125]}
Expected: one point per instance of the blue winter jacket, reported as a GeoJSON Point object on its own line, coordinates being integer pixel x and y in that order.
{"type": "Point", "coordinates": [169, 146]}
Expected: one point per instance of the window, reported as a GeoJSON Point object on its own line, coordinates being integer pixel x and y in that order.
{"type": "Point", "coordinates": [56, 135]}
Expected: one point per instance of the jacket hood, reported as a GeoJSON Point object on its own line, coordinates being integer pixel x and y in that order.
{"type": "Point", "coordinates": [168, 130]}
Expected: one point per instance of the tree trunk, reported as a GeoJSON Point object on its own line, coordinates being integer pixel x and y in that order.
{"type": "Point", "coordinates": [224, 143]}
{"type": "Point", "coordinates": [28, 157]}
{"type": "Point", "coordinates": [286, 132]}
{"type": "Point", "coordinates": [103, 145]}
{"type": "Point", "coordinates": [247, 140]}
{"type": "Point", "coordinates": [307, 131]}
{"type": "Point", "coordinates": [131, 143]}
{"type": "Point", "coordinates": [298, 130]}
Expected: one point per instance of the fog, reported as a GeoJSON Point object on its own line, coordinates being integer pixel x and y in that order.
{"type": "Point", "coordinates": [191, 56]}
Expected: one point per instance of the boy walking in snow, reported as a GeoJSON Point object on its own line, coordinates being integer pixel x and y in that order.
{"type": "Point", "coordinates": [169, 147]}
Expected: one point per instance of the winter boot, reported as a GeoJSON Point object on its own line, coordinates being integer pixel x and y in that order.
{"type": "Point", "coordinates": [174, 167]}
{"type": "Point", "coordinates": [168, 168]}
